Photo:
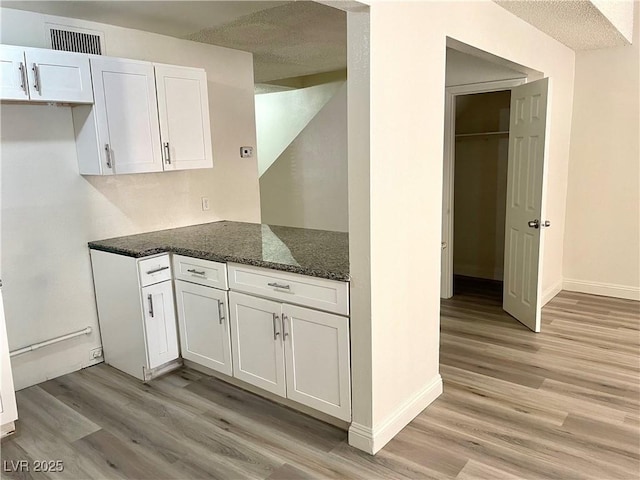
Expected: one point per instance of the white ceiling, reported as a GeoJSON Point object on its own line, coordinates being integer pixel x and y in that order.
{"type": "Point", "coordinates": [288, 39]}
{"type": "Point", "coordinates": [297, 38]}
{"type": "Point", "coordinates": [578, 24]}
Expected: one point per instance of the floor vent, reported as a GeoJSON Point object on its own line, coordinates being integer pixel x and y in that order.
{"type": "Point", "coordinates": [70, 39]}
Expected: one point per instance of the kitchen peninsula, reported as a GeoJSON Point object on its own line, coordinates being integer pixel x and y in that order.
{"type": "Point", "coordinates": [258, 305]}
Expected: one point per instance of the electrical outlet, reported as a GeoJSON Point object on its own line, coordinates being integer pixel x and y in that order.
{"type": "Point", "coordinates": [246, 152]}
{"type": "Point", "coordinates": [205, 204]}
{"type": "Point", "coordinates": [96, 353]}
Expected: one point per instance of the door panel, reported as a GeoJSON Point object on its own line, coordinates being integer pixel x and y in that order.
{"type": "Point", "coordinates": [203, 321]}
{"type": "Point", "coordinates": [59, 76]}
{"type": "Point", "coordinates": [317, 360]}
{"type": "Point", "coordinates": [160, 324]}
{"type": "Point", "coordinates": [13, 78]}
{"type": "Point", "coordinates": [127, 114]}
{"type": "Point", "coordinates": [521, 296]}
{"type": "Point", "coordinates": [256, 337]}
{"type": "Point", "coordinates": [183, 107]}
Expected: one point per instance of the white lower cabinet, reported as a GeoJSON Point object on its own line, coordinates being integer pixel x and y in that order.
{"type": "Point", "coordinates": [160, 324]}
{"type": "Point", "coordinates": [136, 313]}
{"type": "Point", "coordinates": [204, 325]}
{"type": "Point", "coordinates": [292, 351]}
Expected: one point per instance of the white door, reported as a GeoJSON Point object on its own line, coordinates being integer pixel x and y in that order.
{"type": "Point", "coordinates": [256, 339]}
{"type": "Point", "coordinates": [317, 360]}
{"type": "Point", "coordinates": [58, 76]}
{"type": "Point", "coordinates": [127, 114]}
{"type": "Point", "coordinates": [521, 294]}
{"type": "Point", "coordinates": [183, 108]}
{"type": "Point", "coordinates": [204, 326]}
{"type": "Point", "coordinates": [13, 74]}
{"type": "Point", "coordinates": [160, 324]}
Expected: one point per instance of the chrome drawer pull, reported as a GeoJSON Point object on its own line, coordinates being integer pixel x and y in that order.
{"type": "Point", "coordinates": [23, 78]}
{"type": "Point", "coordinates": [156, 270]}
{"type": "Point", "coordinates": [285, 334]}
{"type": "Point", "coordinates": [221, 311]}
{"type": "Point", "coordinates": [277, 285]}
{"type": "Point", "coordinates": [36, 78]}
{"type": "Point", "coordinates": [276, 332]}
{"type": "Point", "coordinates": [195, 272]}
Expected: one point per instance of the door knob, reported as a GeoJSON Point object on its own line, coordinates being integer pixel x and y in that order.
{"type": "Point", "coordinates": [536, 223]}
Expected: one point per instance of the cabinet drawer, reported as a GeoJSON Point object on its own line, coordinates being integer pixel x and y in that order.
{"type": "Point", "coordinates": [153, 270]}
{"type": "Point", "coordinates": [202, 272]}
{"type": "Point", "coordinates": [320, 293]}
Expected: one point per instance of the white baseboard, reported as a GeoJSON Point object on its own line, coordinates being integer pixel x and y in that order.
{"type": "Point", "coordinates": [551, 292]}
{"type": "Point", "coordinates": [604, 289]}
{"type": "Point", "coordinates": [371, 440]}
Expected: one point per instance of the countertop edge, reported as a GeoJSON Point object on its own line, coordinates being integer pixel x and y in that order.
{"type": "Point", "coordinates": [221, 258]}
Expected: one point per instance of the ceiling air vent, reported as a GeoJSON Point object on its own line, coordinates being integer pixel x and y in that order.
{"type": "Point", "coordinates": [71, 39]}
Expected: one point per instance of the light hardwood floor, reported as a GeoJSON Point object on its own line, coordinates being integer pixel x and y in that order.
{"type": "Point", "coordinates": [561, 404]}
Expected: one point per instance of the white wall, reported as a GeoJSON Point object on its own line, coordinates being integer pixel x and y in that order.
{"type": "Point", "coordinates": [619, 13]}
{"type": "Point", "coordinates": [49, 212]}
{"type": "Point", "coordinates": [281, 116]}
{"type": "Point", "coordinates": [602, 242]}
{"type": "Point", "coordinates": [407, 81]}
{"type": "Point", "coordinates": [306, 186]}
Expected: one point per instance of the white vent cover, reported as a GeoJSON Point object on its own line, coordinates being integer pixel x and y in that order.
{"type": "Point", "coordinates": [73, 39]}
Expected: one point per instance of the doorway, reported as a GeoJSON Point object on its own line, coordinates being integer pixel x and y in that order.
{"type": "Point", "coordinates": [496, 247]}
{"type": "Point", "coordinates": [480, 189]}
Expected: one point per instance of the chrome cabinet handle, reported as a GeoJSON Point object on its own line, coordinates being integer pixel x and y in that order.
{"type": "Point", "coordinates": [23, 78]}
{"type": "Point", "coordinates": [150, 298]}
{"type": "Point", "coordinates": [195, 272]}
{"type": "Point", "coordinates": [276, 332]}
{"type": "Point", "coordinates": [36, 78]}
{"type": "Point", "coordinates": [285, 334]}
{"type": "Point", "coordinates": [107, 151]}
{"type": "Point", "coordinates": [277, 285]}
{"type": "Point", "coordinates": [221, 311]}
{"type": "Point", "coordinates": [167, 153]}
{"type": "Point", "coordinates": [156, 270]}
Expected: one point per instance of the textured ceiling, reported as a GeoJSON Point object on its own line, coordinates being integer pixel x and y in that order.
{"type": "Point", "coordinates": [576, 23]}
{"type": "Point", "coordinates": [299, 38]}
{"type": "Point", "coordinates": [173, 18]}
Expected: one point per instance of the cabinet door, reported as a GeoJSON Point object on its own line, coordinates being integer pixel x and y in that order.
{"type": "Point", "coordinates": [203, 322]}
{"type": "Point", "coordinates": [13, 74]}
{"type": "Point", "coordinates": [183, 108]}
{"type": "Point", "coordinates": [159, 324]}
{"type": "Point", "coordinates": [127, 115]}
{"type": "Point", "coordinates": [58, 76]}
{"type": "Point", "coordinates": [317, 360]}
{"type": "Point", "coordinates": [8, 408]}
{"type": "Point", "coordinates": [258, 357]}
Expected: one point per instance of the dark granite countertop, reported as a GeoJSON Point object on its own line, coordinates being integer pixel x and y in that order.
{"type": "Point", "coordinates": [318, 253]}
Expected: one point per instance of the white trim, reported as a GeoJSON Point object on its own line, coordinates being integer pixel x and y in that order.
{"type": "Point", "coordinates": [551, 292]}
{"type": "Point", "coordinates": [604, 289]}
{"type": "Point", "coordinates": [371, 440]}
{"type": "Point", "coordinates": [7, 429]}
{"type": "Point", "coordinates": [446, 279]}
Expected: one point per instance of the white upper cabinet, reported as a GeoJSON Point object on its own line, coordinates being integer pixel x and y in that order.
{"type": "Point", "coordinates": [146, 118]}
{"type": "Point", "coordinates": [13, 74]}
{"type": "Point", "coordinates": [183, 108]}
{"type": "Point", "coordinates": [43, 75]}
{"type": "Point", "coordinates": [126, 115]}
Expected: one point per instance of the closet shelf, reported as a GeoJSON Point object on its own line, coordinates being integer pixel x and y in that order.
{"type": "Point", "coordinates": [482, 134]}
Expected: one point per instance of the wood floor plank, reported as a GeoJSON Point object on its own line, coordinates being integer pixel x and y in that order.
{"type": "Point", "coordinates": [58, 417]}
{"type": "Point", "coordinates": [560, 404]}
